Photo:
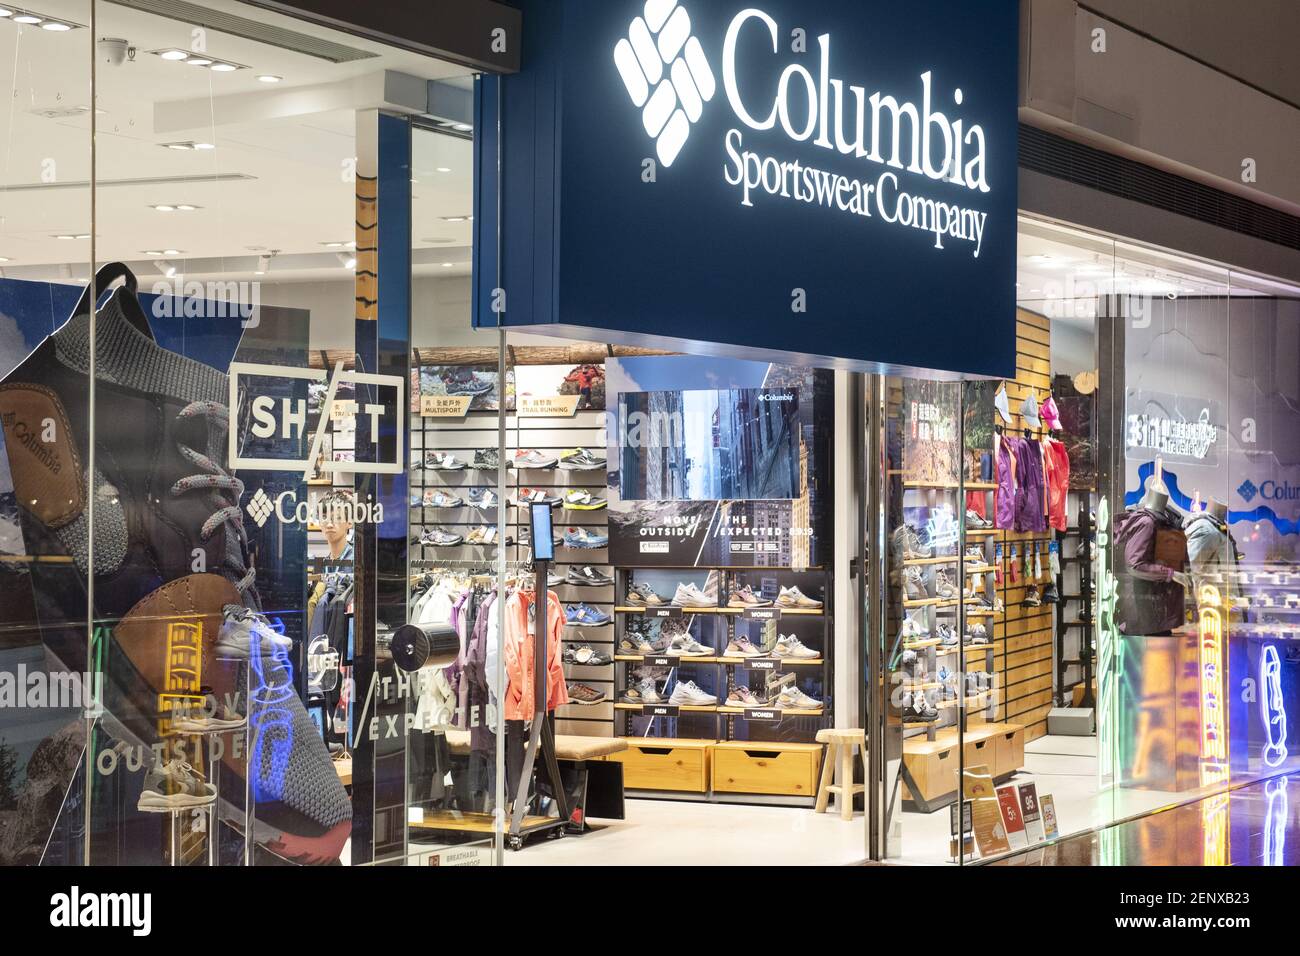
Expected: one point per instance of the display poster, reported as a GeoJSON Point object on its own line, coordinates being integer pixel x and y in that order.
{"type": "Point", "coordinates": [1178, 428]}
{"type": "Point", "coordinates": [548, 389]}
{"type": "Point", "coordinates": [986, 817]}
{"type": "Point", "coordinates": [1048, 805]}
{"type": "Point", "coordinates": [445, 406]}
{"type": "Point", "coordinates": [931, 451]}
{"type": "Point", "coordinates": [978, 411]}
{"type": "Point", "coordinates": [1009, 803]}
{"type": "Point", "coordinates": [478, 383]}
{"type": "Point", "coordinates": [1031, 813]}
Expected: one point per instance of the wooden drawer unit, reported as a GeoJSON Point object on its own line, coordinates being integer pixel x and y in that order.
{"type": "Point", "coordinates": [981, 750]}
{"type": "Point", "coordinates": [1010, 742]}
{"type": "Point", "coordinates": [749, 766]}
{"type": "Point", "coordinates": [665, 763]}
{"type": "Point", "coordinates": [933, 766]}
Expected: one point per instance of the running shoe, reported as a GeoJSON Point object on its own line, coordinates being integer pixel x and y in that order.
{"type": "Point", "coordinates": [482, 535]}
{"type": "Point", "coordinates": [742, 647]}
{"type": "Point", "coordinates": [688, 595]}
{"type": "Point", "coordinates": [438, 538]}
{"type": "Point", "coordinates": [688, 694]}
{"type": "Point", "coordinates": [973, 520]}
{"type": "Point", "coordinates": [587, 577]}
{"type": "Point", "coordinates": [441, 499]}
{"type": "Point", "coordinates": [792, 597]}
{"type": "Point", "coordinates": [908, 544]}
{"type": "Point", "coordinates": [585, 539]}
{"type": "Point", "coordinates": [790, 646]}
{"type": "Point", "coordinates": [581, 500]}
{"type": "Point", "coordinates": [943, 586]}
{"type": "Point", "coordinates": [245, 633]}
{"type": "Point", "coordinates": [643, 691]}
{"type": "Point", "coordinates": [913, 585]}
{"type": "Point", "coordinates": [584, 654]}
{"type": "Point", "coordinates": [482, 498]}
{"type": "Point", "coordinates": [745, 597]}
{"type": "Point", "coordinates": [532, 458]}
{"type": "Point", "coordinates": [486, 459]}
{"type": "Point", "coordinates": [585, 695]}
{"type": "Point", "coordinates": [743, 697]}
{"type": "Point", "coordinates": [792, 698]}
{"type": "Point", "coordinates": [210, 717]}
{"type": "Point", "coordinates": [579, 459]}
{"type": "Point", "coordinates": [917, 710]}
{"type": "Point", "coordinates": [914, 630]}
{"type": "Point", "coordinates": [635, 644]}
{"type": "Point", "coordinates": [535, 496]}
{"type": "Point", "coordinates": [643, 595]}
{"type": "Point", "coordinates": [684, 645]}
{"type": "Point", "coordinates": [584, 615]}
{"type": "Point", "coordinates": [175, 785]}
{"type": "Point", "coordinates": [443, 461]}
{"type": "Point", "coordinates": [947, 635]}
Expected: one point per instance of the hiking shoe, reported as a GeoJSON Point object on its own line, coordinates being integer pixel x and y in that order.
{"type": "Point", "coordinates": [1032, 598]}
{"type": "Point", "coordinates": [443, 461]}
{"type": "Point", "coordinates": [1052, 596]}
{"type": "Point", "coordinates": [688, 595]}
{"type": "Point", "coordinates": [588, 577]}
{"type": "Point", "coordinates": [909, 665]}
{"type": "Point", "coordinates": [584, 654]}
{"type": "Point", "coordinates": [742, 647]}
{"type": "Point", "coordinates": [438, 538]}
{"type": "Point", "coordinates": [792, 597]}
{"type": "Point", "coordinates": [743, 697]}
{"type": "Point", "coordinates": [532, 458]}
{"type": "Point", "coordinates": [973, 520]}
{"type": "Point", "coordinates": [943, 586]}
{"type": "Point", "coordinates": [908, 544]}
{"type": "Point", "coordinates": [917, 710]}
{"type": "Point", "coordinates": [584, 615]}
{"type": "Point", "coordinates": [790, 646]}
{"type": "Point", "coordinates": [245, 633]}
{"type": "Point", "coordinates": [175, 785]}
{"type": "Point", "coordinates": [643, 691]}
{"type": "Point", "coordinates": [484, 534]}
{"type": "Point", "coordinates": [210, 717]}
{"type": "Point", "coordinates": [792, 698]}
{"type": "Point", "coordinates": [687, 694]}
{"type": "Point", "coordinates": [579, 459]}
{"type": "Point", "coordinates": [914, 630]}
{"type": "Point", "coordinates": [585, 539]}
{"type": "Point", "coordinates": [643, 595]}
{"type": "Point", "coordinates": [462, 381]}
{"type": "Point", "coordinates": [585, 695]}
{"type": "Point", "coordinates": [685, 645]}
{"type": "Point", "coordinates": [913, 585]}
{"type": "Point", "coordinates": [581, 500]}
{"type": "Point", "coordinates": [977, 634]}
{"type": "Point", "coordinates": [482, 498]}
{"type": "Point", "coordinates": [535, 496]}
{"type": "Point", "coordinates": [486, 459]}
{"type": "Point", "coordinates": [745, 597]}
{"type": "Point", "coordinates": [636, 644]}
{"type": "Point", "coordinates": [441, 499]}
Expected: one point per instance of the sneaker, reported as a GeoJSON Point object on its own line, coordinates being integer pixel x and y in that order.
{"type": "Point", "coordinates": [688, 595]}
{"type": "Point", "coordinates": [917, 710]}
{"type": "Point", "coordinates": [1051, 595]}
{"type": "Point", "coordinates": [581, 500]}
{"type": "Point", "coordinates": [531, 458]}
{"type": "Point", "coordinates": [482, 535]}
{"type": "Point", "coordinates": [585, 695]}
{"type": "Point", "coordinates": [686, 693]}
{"type": "Point", "coordinates": [482, 498]}
{"type": "Point", "coordinates": [685, 645]}
{"type": "Point", "coordinates": [1032, 598]}
{"type": "Point", "coordinates": [947, 635]}
{"type": "Point", "coordinates": [913, 585]}
{"type": "Point", "coordinates": [579, 459]}
{"type": "Point", "coordinates": [443, 461]}
{"type": "Point", "coordinates": [792, 597]}
{"type": "Point", "coordinates": [943, 586]}
{"type": "Point", "coordinates": [978, 635]}
{"type": "Point", "coordinates": [585, 539]}
{"type": "Point", "coordinates": [438, 538]}
{"type": "Point", "coordinates": [914, 630]}
{"type": "Point", "coordinates": [973, 520]}
{"type": "Point", "coordinates": [175, 785]}
{"type": "Point", "coordinates": [211, 717]}
{"type": "Point", "coordinates": [790, 646]}
{"type": "Point", "coordinates": [910, 665]}
{"type": "Point", "coordinates": [535, 496]}
{"type": "Point", "coordinates": [463, 381]}
{"type": "Point", "coordinates": [743, 697]}
{"type": "Point", "coordinates": [907, 543]}
{"type": "Point", "coordinates": [486, 459]}
{"type": "Point", "coordinates": [584, 654]}
{"type": "Point", "coordinates": [742, 647]}
{"type": "Point", "coordinates": [441, 499]}
{"type": "Point", "coordinates": [643, 691]}
{"type": "Point", "coordinates": [584, 615]}
{"type": "Point", "coordinates": [792, 698]}
{"type": "Point", "coordinates": [745, 597]}
{"type": "Point", "coordinates": [245, 633]}
{"type": "Point", "coordinates": [636, 644]}
{"type": "Point", "coordinates": [643, 595]}
{"type": "Point", "coordinates": [587, 577]}
{"type": "Point", "coordinates": [975, 555]}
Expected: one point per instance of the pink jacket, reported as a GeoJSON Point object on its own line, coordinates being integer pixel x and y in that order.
{"type": "Point", "coordinates": [520, 650]}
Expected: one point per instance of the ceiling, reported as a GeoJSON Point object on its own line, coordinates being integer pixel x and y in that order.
{"type": "Point", "coordinates": [276, 182]}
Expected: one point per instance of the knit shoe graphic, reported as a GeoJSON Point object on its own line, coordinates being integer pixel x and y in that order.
{"type": "Point", "coordinates": [666, 75]}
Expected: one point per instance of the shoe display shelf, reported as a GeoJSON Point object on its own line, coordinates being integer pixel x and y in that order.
{"type": "Point", "coordinates": [552, 437]}
{"type": "Point", "coordinates": [1074, 611]}
{"type": "Point", "coordinates": [722, 751]}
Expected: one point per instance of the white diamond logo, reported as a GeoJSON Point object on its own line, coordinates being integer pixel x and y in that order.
{"type": "Point", "coordinates": [666, 75]}
{"type": "Point", "coordinates": [260, 507]}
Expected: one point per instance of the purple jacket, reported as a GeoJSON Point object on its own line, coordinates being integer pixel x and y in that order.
{"type": "Point", "coordinates": [1004, 500]}
{"type": "Point", "coordinates": [1031, 513]}
{"type": "Point", "coordinates": [1150, 601]}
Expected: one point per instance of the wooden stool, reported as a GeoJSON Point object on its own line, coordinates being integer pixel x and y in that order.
{"type": "Point", "coordinates": [840, 741]}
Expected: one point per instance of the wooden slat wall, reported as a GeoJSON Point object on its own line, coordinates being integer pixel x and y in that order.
{"type": "Point", "coordinates": [1023, 636]}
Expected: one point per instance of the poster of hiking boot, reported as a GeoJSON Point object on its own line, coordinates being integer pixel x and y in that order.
{"type": "Point", "coordinates": [931, 449]}
{"type": "Point", "coordinates": [478, 383]}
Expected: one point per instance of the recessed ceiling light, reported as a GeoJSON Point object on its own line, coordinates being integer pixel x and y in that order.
{"type": "Point", "coordinates": [27, 18]}
{"type": "Point", "coordinates": [204, 146]}
{"type": "Point", "coordinates": [164, 208]}
{"type": "Point", "coordinates": [198, 61]}
{"type": "Point", "coordinates": [54, 26]}
{"type": "Point", "coordinates": [6, 13]}
{"type": "Point", "coordinates": [455, 218]}
{"type": "Point", "coordinates": [173, 55]}
{"type": "Point", "coordinates": [171, 252]}
{"type": "Point", "coordinates": [186, 207]}
{"type": "Point", "coordinates": [443, 169]}
{"type": "Point", "coordinates": [446, 265]}
{"type": "Point", "coordinates": [68, 235]}
{"type": "Point", "coordinates": [269, 78]}
{"type": "Point", "coordinates": [186, 144]}
{"type": "Point", "coordinates": [224, 68]}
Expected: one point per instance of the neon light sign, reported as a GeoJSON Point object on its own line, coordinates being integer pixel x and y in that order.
{"type": "Point", "coordinates": [1214, 718]}
{"type": "Point", "coordinates": [1107, 637]}
{"type": "Point", "coordinates": [1271, 706]}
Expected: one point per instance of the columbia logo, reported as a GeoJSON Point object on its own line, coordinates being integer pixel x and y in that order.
{"type": "Point", "coordinates": [1247, 490]}
{"type": "Point", "coordinates": [666, 74]}
{"type": "Point", "coordinates": [260, 507]}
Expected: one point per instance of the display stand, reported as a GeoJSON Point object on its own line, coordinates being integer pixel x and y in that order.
{"type": "Point", "coordinates": [173, 827]}
{"type": "Point", "coordinates": [1081, 535]}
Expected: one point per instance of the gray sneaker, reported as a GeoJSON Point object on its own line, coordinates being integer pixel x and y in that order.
{"type": "Point", "coordinates": [642, 692]}
{"type": "Point", "coordinates": [687, 694]}
{"type": "Point", "coordinates": [175, 785]}
{"type": "Point", "coordinates": [245, 632]}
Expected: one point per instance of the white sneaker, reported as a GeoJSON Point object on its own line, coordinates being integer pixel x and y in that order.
{"type": "Point", "coordinates": [688, 595]}
{"type": "Point", "coordinates": [687, 646]}
{"type": "Point", "coordinates": [244, 632]}
{"type": "Point", "coordinates": [791, 646]}
{"type": "Point", "coordinates": [687, 694]}
{"type": "Point", "coordinates": [792, 698]}
{"type": "Point", "coordinates": [914, 630]}
{"type": "Point", "coordinates": [793, 597]}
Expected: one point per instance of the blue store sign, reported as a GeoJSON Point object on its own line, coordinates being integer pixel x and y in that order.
{"type": "Point", "coordinates": [829, 181]}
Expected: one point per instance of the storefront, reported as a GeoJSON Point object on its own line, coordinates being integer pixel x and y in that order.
{"type": "Point", "coordinates": [851, 482]}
